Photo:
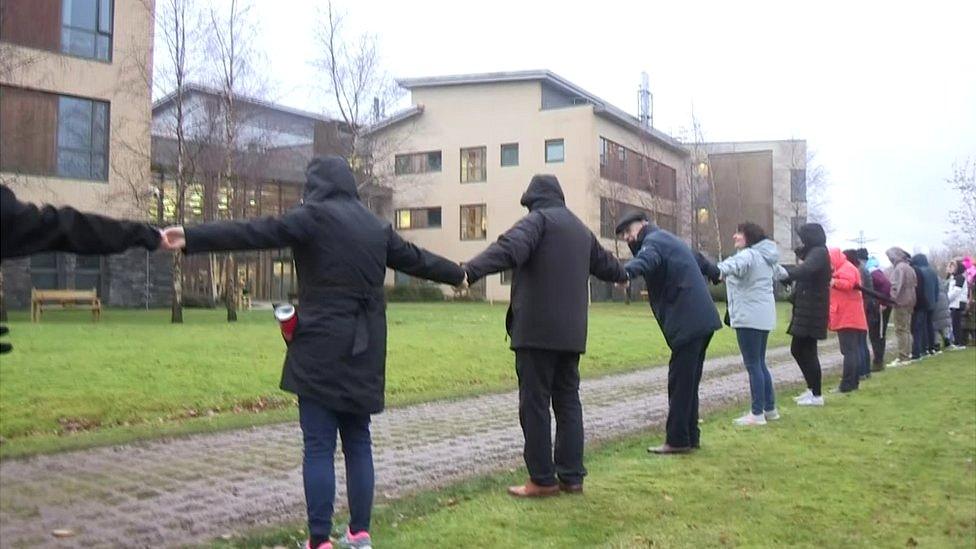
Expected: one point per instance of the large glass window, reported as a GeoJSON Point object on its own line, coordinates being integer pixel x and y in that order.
{"type": "Point", "coordinates": [44, 271]}
{"type": "Point", "coordinates": [473, 164]}
{"type": "Point", "coordinates": [424, 162]}
{"type": "Point", "coordinates": [418, 218]}
{"type": "Point", "coordinates": [798, 185]}
{"type": "Point", "coordinates": [86, 28]}
{"type": "Point", "coordinates": [510, 154]}
{"type": "Point", "coordinates": [474, 223]}
{"type": "Point", "coordinates": [82, 145]}
{"type": "Point", "coordinates": [88, 271]}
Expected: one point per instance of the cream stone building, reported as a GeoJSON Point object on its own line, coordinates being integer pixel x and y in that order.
{"type": "Point", "coordinates": [460, 158]}
{"type": "Point", "coordinates": [74, 125]}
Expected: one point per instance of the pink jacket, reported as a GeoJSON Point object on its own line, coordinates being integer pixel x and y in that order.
{"type": "Point", "coordinates": [846, 304]}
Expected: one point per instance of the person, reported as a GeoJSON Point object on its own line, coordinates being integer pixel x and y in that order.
{"type": "Point", "coordinates": [26, 229]}
{"type": "Point", "coordinates": [811, 308]}
{"type": "Point", "coordinates": [685, 312]}
{"type": "Point", "coordinates": [969, 319]}
{"type": "Point", "coordinates": [748, 279]}
{"type": "Point", "coordinates": [551, 254]}
{"type": "Point", "coordinates": [866, 285]}
{"type": "Point", "coordinates": [847, 317]}
{"type": "Point", "coordinates": [926, 300]}
{"type": "Point", "coordinates": [942, 319]}
{"type": "Point", "coordinates": [957, 296]}
{"type": "Point", "coordinates": [904, 282]}
{"type": "Point", "coordinates": [336, 360]}
{"type": "Point", "coordinates": [878, 317]}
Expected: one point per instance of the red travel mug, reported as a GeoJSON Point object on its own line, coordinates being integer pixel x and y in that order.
{"type": "Point", "coordinates": [287, 320]}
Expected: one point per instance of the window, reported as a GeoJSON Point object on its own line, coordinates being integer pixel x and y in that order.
{"type": "Point", "coordinates": [612, 210]}
{"type": "Point", "coordinates": [638, 171]}
{"type": "Point", "coordinates": [88, 270]}
{"type": "Point", "coordinates": [798, 185]}
{"type": "Point", "coordinates": [555, 150]}
{"type": "Point", "coordinates": [510, 155]}
{"type": "Point", "coordinates": [418, 218]}
{"type": "Point", "coordinates": [45, 270]}
{"type": "Point", "coordinates": [474, 222]}
{"type": "Point", "coordinates": [47, 134]}
{"type": "Point", "coordinates": [425, 162]}
{"type": "Point", "coordinates": [506, 277]}
{"type": "Point", "coordinates": [473, 165]}
{"type": "Point", "coordinates": [796, 223]}
{"type": "Point", "coordinates": [86, 28]}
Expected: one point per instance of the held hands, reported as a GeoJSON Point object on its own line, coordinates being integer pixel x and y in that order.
{"type": "Point", "coordinates": [174, 238]}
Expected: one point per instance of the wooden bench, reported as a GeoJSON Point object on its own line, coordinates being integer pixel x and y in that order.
{"type": "Point", "coordinates": [65, 299]}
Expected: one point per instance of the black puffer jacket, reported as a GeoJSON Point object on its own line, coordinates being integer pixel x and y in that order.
{"type": "Point", "coordinates": [811, 278]}
{"type": "Point", "coordinates": [552, 255]}
{"type": "Point", "coordinates": [341, 250]}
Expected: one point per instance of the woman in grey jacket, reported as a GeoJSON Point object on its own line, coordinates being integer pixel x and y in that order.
{"type": "Point", "coordinates": [748, 279]}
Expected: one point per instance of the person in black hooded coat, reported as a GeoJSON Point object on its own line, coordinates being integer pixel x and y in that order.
{"type": "Point", "coordinates": [336, 361]}
{"type": "Point", "coordinates": [551, 254]}
{"type": "Point", "coordinates": [26, 229]}
{"type": "Point", "coordinates": [926, 300]}
{"type": "Point", "coordinates": [811, 307]}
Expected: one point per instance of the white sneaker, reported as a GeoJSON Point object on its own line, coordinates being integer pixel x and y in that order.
{"type": "Point", "coordinates": [806, 394]}
{"type": "Point", "coordinates": [897, 363]}
{"type": "Point", "coordinates": [811, 401]}
{"type": "Point", "coordinates": [750, 419]}
{"type": "Point", "coordinates": [772, 415]}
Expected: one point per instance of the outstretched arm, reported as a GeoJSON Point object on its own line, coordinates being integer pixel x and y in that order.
{"type": "Point", "coordinates": [645, 262]}
{"type": "Point", "coordinates": [604, 265]}
{"type": "Point", "coordinates": [254, 234]}
{"type": "Point", "coordinates": [409, 258]}
{"type": "Point", "coordinates": [27, 229]}
{"type": "Point", "coordinates": [512, 249]}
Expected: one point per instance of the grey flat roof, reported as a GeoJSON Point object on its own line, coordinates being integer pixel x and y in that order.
{"type": "Point", "coordinates": [600, 107]}
{"type": "Point", "coordinates": [206, 90]}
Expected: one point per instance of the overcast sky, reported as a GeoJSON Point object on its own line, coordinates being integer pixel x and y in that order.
{"type": "Point", "coordinates": [885, 96]}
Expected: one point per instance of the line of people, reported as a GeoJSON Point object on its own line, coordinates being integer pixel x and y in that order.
{"type": "Point", "coordinates": [335, 362]}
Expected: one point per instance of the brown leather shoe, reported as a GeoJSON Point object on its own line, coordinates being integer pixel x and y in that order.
{"type": "Point", "coordinates": [533, 490]}
{"type": "Point", "coordinates": [667, 449]}
{"type": "Point", "coordinates": [571, 488]}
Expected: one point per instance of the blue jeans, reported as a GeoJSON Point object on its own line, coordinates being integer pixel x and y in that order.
{"type": "Point", "coordinates": [319, 426]}
{"type": "Point", "coordinates": [921, 332]}
{"type": "Point", "coordinates": [752, 344]}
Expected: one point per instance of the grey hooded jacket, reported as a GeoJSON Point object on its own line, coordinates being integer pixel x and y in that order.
{"type": "Point", "coordinates": [749, 282]}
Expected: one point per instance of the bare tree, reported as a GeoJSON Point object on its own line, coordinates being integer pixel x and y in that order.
{"type": "Point", "coordinates": [963, 216]}
{"type": "Point", "coordinates": [818, 190]}
{"type": "Point", "coordinates": [360, 89]}
{"type": "Point", "coordinates": [703, 183]}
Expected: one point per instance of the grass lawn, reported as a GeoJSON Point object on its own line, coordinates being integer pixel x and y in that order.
{"type": "Point", "coordinates": [70, 383]}
{"type": "Point", "coordinates": [888, 466]}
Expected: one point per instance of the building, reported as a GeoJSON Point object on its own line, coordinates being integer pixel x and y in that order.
{"type": "Point", "coordinates": [74, 130]}
{"type": "Point", "coordinates": [272, 146]}
{"type": "Point", "coordinates": [460, 158]}
{"type": "Point", "coordinates": [759, 181]}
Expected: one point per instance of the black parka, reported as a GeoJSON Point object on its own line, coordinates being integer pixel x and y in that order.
{"type": "Point", "coordinates": [341, 251]}
{"type": "Point", "coordinates": [811, 279]}
{"type": "Point", "coordinates": [552, 255]}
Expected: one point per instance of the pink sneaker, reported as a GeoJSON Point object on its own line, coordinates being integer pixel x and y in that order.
{"type": "Point", "coordinates": [323, 545]}
{"type": "Point", "coordinates": [356, 541]}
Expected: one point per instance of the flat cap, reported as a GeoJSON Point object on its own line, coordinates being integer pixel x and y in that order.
{"type": "Point", "coordinates": [629, 218]}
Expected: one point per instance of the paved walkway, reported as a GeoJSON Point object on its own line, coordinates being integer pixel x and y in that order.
{"type": "Point", "coordinates": [193, 489]}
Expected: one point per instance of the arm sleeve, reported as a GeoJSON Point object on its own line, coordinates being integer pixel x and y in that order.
{"type": "Point", "coordinates": [955, 292]}
{"type": "Point", "coordinates": [409, 258]}
{"type": "Point", "coordinates": [28, 229]}
{"type": "Point", "coordinates": [603, 264]}
{"type": "Point", "coordinates": [512, 249]}
{"type": "Point", "coordinates": [816, 261]}
{"type": "Point", "coordinates": [255, 234]}
{"type": "Point", "coordinates": [737, 265]}
{"type": "Point", "coordinates": [844, 280]}
{"type": "Point", "coordinates": [645, 262]}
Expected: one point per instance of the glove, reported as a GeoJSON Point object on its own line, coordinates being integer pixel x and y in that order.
{"type": "Point", "coordinates": [708, 269]}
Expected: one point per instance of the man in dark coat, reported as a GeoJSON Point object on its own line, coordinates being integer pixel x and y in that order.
{"type": "Point", "coordinates": [811, 307]}
{"type": "Point", "coordinates": [926, 299]}
{"type": "Point", "coordinates": [686, 314]}
{"type": "Point", "coordinates": [336, 361]}
{"type": "Point", "coordinates": [551, 254]}
{"type": "Point", "coordinates": [26, 229]}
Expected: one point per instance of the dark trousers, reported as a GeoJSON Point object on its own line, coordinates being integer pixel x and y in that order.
{"type": "Point", "coordinates": [319, 426]}
{"type": "Point", "coordinates": [684, 377]}
{"type": "Point", "coordinates": [850, 349]}
{"type": "Point", "coordinates": [550, 377]}
{"type": "Point", "coordinates": [958, 334]}
{"type": "Point", "coordinates": [922, 332]}
{"type": "Point", "coordinates": [877, 331]}
{"type": "Point", "coordinates": [804, 351]}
